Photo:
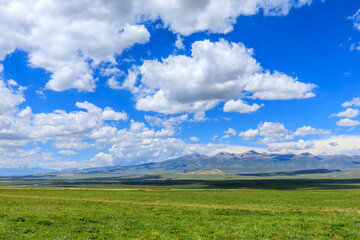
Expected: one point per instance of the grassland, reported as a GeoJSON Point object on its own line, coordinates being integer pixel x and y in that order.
{"type": "Point", "coordinates": [151, 207]}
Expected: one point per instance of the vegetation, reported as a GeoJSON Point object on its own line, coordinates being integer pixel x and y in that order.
{"type": "Point", "coordinates": [148, 208]}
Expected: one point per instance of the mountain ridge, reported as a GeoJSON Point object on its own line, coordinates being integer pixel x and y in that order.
{"type": "Point", "coordinates": [247, 162]}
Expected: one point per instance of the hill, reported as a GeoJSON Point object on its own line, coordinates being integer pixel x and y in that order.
{"type": "Point", "coordinates": [248, 162]}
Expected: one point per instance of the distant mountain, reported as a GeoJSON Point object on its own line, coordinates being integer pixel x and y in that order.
{"type": "Point", "coordinates": [24, 171]}
{"type": "Point", "coordinates": [248, 162]}
{"type": "Point", "coordinates": [209, 172]}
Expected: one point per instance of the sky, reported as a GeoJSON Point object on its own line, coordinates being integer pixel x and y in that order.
{"type": "Point", "coordinates": [98, 83]}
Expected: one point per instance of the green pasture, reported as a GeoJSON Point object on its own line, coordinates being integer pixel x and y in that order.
{"type": "Point", "coordinates": [105, 212]}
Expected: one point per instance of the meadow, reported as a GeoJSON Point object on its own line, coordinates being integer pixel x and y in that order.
{"type": "Point", "coordinates": [71, 209]}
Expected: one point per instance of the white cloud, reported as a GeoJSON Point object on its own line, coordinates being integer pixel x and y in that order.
{"type": "Point", "coordinates": [113, 83]}
{"type": "Point", "coordinates": [344, 144]}
{"type": "Point", "coordinates": [355, 46]}
{"type": "Point", "coordinates": [274, 132]}
{"type": "Point", "coordinates": [290, 146]}
{"type": "Point", "coordinates": [46, 161]}
{"type": "Point", "coordinates": [348, 113]}
{"type": "Point", "coordinates": [1, 68]}
{"type": "Point", "coordinates": [347, 122]}
{"type": "Point", "coordinates": [141, 144]}
{"type": "Point", "coordinates": [354, 102]}
{"type": "Point", "coordinates": [109, 114]}
{"type": "Point", "coordinates": [215, 72]}
{"type": "Point", "coordinates": [69, 39]}
{"type": "Point", "coordinates": [274, 86]}
{"type": "Point", "coordinates": [128, 83]}
{"type": "Point", "coordinates": [12, 83]}
{"type": "Point", "coordinates": [10, 96]}
{"type": "Point", "coordinates": [63, 37]}
{"type": "Point", "coordinates": [240, 106]}
{"type": "Point", "coordinates": [17, 156]}
{"type": "Point", "coordinates": [179, 42]}
{"type": "Point", "coordinates": [194, 139]}
{"type": "Point", "coordinates": [72, 143]}
{"type": "Point", "coordinates": [239, 149]}
{"type": "Point", "coordinates": [72, 40]}
{"type": "Point", "coordinates": [88, 128]}
{"type": "Point", "coordinates": [41, 94]}
{"type": "Point", "coordinates": [307, 130]}
{"type": "Point", "coordinates": [230, 131]}
{"type": "Point", "coordinates": [270, 131]}
{"type": "Point", "coordinates": [100, 159]}
{"type": "Point", "coordinates": [356, 19]}
{"type": "Point", "coordinates": [68, 152]}
{"type": "Point", "coordinates": [66, 128]}
{"type": "Point", "coordinates": [249, 134]}
{"type": "Point", "coordinates": [170, 122]}
{"type": "Point", "coordinates": [187, 17]}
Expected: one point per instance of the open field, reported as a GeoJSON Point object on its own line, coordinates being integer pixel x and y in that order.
{"type": "Point", "coordinates": [72, 209]}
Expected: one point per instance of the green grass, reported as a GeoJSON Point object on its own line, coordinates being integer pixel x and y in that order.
{"type": "Point", "coordinates": [43, 213]}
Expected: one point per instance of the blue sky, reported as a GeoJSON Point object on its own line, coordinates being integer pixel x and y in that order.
{"type": "Point", "coordinates": [95, 83]}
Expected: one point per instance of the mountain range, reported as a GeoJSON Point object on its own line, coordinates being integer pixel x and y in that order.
{"type": "Point", "coordinates": [248, 162]}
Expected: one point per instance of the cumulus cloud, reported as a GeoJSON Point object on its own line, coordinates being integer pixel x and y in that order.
{"type": "Point", "coordinates": [348, 113]}
{"type": "Point", "coordinates": [347, 122]}
{"type": "Point", "coordinates": [85, 128]}
{"type": "Point", "coordinates": [59, 123]}
{"type": "Point", "coordinates": [194, 139]}
{"type": "Point", "coordinates": [230, 132]}
{"type": "Point", "coordinates": [24, 125]}
{"type": "Point", "coordinates": [169, 122]}
{"type": "Point", "coordinates": [10, 96]}
{"type": "Point", "coordinates": [69, 39]}
{"type": "Point", "coordinates": [240, 106]}
{"type": "Point", "coordinates": [100, 159]}
{"type": "Point", "coordinates": [290, 146]}
{"type": "Point", "coordinates": [187, 17]}
{"type": "Point", "coordinates": [215, 72]}
{"type": "Point", "coordinates": [308, 130]}
{"type": "Point", "coordinates": [275, 132]}
{"type": "Point", "coordinates": [139, 144]}
{"type": "Point", "coordinates": [88, 128]}
{"type": "Point", "coordinates": [277, 86]}
{"type": "Point", "coordinates": [354, 102]}
{"type": "Point", "coordinates": [249, 134]}
{"type": "Point", "coordinates": [128, 83]}
{"type": "Point", "coordinates": [109, 114]}
{"type": "Point", "coordinates": [47, 161]}
{"type": "Point", "coordinates": [17, 156]}
{"type": "Point", "coordinates": [179, 42]}
{"type": "Point", "coordinates": [331, 145]}
{"type": "Point", "coordinates": [73, 40]}
{"type": "Point", "coordinates": [68, 152]}
{"type": "Point", "coordinates": [341, 144]}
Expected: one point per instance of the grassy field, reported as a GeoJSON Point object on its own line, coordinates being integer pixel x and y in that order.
{"type": "Point", "coordinates": [71, 209]}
